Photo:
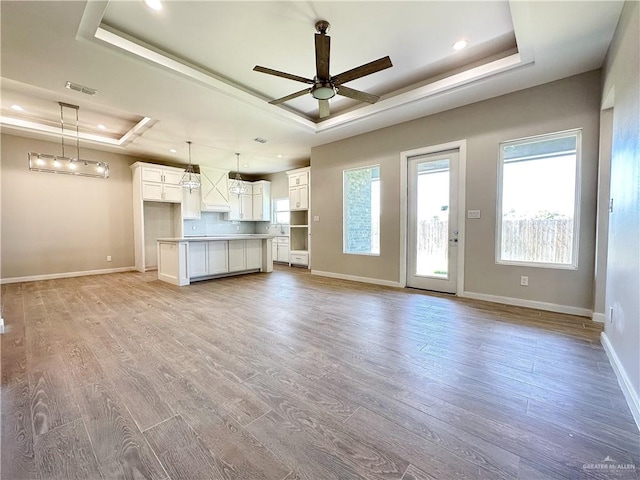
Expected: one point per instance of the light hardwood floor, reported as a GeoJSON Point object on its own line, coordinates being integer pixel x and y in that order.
{"type": "Point", "coordinates": [288, 375]}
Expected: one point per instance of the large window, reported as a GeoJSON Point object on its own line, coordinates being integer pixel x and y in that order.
{"type": "Point", "coordinates": [280, 211]}
{"type": "Point", "coordinates": [538, 201]}
{"type": "Point", "coordinates": [361, 218]}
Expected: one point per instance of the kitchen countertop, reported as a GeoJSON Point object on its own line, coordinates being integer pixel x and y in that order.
{"type": "Point", "coordinates": [239, 236]}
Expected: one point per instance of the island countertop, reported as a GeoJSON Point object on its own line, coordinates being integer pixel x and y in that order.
{"type": "Point", "coordinates": [231, 236]}
{"type": "Point", "coordinates": [182, 260]}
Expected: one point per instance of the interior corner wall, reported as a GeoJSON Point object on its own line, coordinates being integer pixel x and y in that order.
{"type": "Point", "coordinates": [56, 224]}
{"type": "Point", "coordinates": [622, 75]}
{"type": "Point", "coordinates": [566, 104]}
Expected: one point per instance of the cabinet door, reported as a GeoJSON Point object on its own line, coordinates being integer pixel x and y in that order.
{"type": "Point", "coordinates": [172, 177]}
{"type": "Point", "coordinates": [190, 203]}
{"type": "Point", "coordinates": [234, 204]}
{"type": "Point", "coordinates": [246, 207]}
{"type": "Point", "coordinates": [218, 257]}
{"type": "Point", "coordinates": [257, 188]}
{"type": "Point", "coordinates": [258, 211]}
{"type": "Point", "coordinates": [152, 191]}
{"type": "Point", "coordinates": [198, 265]}
{"type": "Point", "coordinates": [172, 193]}
{"type": "Point", "coordinates": [274, 249]}
{"type": "Point", "coordinates": [253, 253]}
{"type": "Point", "coordinates": [237, 260]}
{"type": "Point", "coordinates": [294, 199]}
{"type": "Point", "coordinates": [151, 174]}
{"type": "Point", "coordinates": [298, 179]}
{"type": "Point", "coordinates": [303, 197]}
{"type": "Point", "coordinates": [283, 252]}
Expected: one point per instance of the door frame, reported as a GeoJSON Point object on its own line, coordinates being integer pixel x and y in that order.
{"type": "Point", "coordinates": [461, 146]}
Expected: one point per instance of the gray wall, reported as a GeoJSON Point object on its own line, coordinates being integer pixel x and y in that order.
{"type": "Point", "coordinates": [566, 104]}
{"type": "Point", "coordinates": [61, 223]}
{"type": "Point", "coordinates": [623, 262]}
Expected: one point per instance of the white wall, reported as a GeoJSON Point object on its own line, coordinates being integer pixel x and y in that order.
{"type": "Point", "coordinates": [55, 224]}
{"type": "Point", "coordinates": [622, 82]}
{"type": "Point", "coordinates": [566, 104]}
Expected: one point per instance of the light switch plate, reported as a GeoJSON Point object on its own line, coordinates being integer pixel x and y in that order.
{"type": "Point", "coordinates": [473, 214]}
{"type": "Point", "coordinates": [316, 218]}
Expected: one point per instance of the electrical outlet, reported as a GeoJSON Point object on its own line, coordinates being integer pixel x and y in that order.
{"type": "Point", "coordinates": [524, 281]}
{"type": "Point", "coordinates": [108, 258]}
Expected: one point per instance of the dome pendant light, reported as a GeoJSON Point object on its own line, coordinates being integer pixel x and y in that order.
{"type": "Point", "coordinates": [237, 184]}
{"type": "Point", "coordinates": [190, 180]}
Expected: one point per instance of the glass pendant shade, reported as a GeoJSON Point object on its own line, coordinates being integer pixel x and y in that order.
{"type": "Point", "coordinates": [190, 180]}
{"type": "Point", "coordinates": [237, 186]}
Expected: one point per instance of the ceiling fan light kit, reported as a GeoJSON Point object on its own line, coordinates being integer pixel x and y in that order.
{"type": "Point", "coordinates": [324, 86]}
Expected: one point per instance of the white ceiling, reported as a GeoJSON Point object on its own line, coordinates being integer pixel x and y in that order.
{"type": "Point", "coordinates": [185, 72]}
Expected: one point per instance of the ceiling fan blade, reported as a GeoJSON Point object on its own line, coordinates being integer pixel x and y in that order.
{"type": "Point", "coordinates": [357, 94]}
{"type": "Point", "coordinates": [324, 108]}
{"type": "Point", "coordinates": [289, 97]}
{"type": "Point", "coordinates": [323, 47]}
{"type": "Point", "coordinates": [363, 70]}
{"type": "Point", "coordinates": [270, 71]}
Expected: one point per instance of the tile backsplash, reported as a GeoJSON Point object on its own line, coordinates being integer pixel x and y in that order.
{"type": "Point", "coordinates": [214, 223]}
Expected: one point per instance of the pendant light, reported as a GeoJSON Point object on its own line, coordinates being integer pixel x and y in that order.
{"type": "Point", "coordinates": [237, 185]}
{"type": "Point", "coordinates": [190, 180]}
{"type": "Point", "coordinates": [44, 162]}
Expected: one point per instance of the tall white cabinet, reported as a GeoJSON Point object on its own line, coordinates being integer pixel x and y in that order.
{"type": "Point", "coordinates": [299, 221]}
{"type": "Point", "coordinates": [254, 205]}
{"type": "Point", "coordinates": [157, 210]}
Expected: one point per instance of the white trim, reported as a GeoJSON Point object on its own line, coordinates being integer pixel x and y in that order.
{"type": "Point", "coordinates": [521, 302]}
{"type": "Point", "coordinates": [623, 379]}
{"type": "Point", "coordinates": [461, 146]}
{"type": "Point", "coordinates": [1, 325]}
{"type": "Point", "coordinates": [598, 317]}
{"type": "Point", "coordinates": [54, 276]}
{"type": "Point", "coordinates": [355, 278]}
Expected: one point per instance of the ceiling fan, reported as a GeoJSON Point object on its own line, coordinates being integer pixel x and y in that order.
{"type": "Point", "coordinates": [324, 86]}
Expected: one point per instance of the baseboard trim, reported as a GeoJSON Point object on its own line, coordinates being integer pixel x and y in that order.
{"type": "Point", "coordinates": [598, 317]}
{"type": "Point", "coordinates": [354, 278]}
{"type": "Point", "coordinates": [520, 302]}
{"type": "Point", "coordinates": [55, 276]}
{"type": "Point", "coordinates": [625, 384]}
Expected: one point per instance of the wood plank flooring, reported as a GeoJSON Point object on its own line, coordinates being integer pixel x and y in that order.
{"type": "Point", "coordinates": [291, 376]}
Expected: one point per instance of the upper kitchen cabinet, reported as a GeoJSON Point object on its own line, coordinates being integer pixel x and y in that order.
{"type": "Point", "coordinates": [159, 183]}
{"type": "Point", "coordinates": [191, 203]}
{"type": "Point", "coordinates": [214, 188]}
{"type": "Point", "coordinates": [298, 189]}
{"type": "Point", "coordinates": [254, 205]}
{"type": "Point", "coordinates": [262, 201]}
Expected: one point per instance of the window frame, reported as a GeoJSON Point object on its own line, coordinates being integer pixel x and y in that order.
{"type": "Point", "coordinates": [344, 210]}
{"type": "Point", "coordinates": [274, 211]}
{"type": "Point", "coordinates": [577, 132]}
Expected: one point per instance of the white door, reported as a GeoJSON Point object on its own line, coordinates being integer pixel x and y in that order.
{"type": "Point", "coordinates": [432, 215]}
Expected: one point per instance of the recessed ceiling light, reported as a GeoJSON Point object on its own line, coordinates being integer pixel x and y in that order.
{"type": "Point", "coordinates": [17, 108]}
{"type": "Point", "coordinates": [172, 150]}
{"type": "Point", "coordinates": [245, 165]}
{"type": "Point", "coordinates": [154, 4]}
{"type": "Point", "coordinates": [460, 44]}
{"type": "Point", "coordinates": [102, 127]}
{"type": "Point", "coordinates": [279, 156]}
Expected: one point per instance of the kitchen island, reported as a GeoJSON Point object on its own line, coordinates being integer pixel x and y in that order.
{"type": "Point", "coordinates": [187, 259]}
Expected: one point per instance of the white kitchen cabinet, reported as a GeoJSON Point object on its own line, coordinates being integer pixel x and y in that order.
{"type": "Point", "coordinates": [262, 201]}
{"type": "Point", "coordinates": [237, 261]}
{"type": "Point", "coordinates": [214, 189]}
{"type": "Point", "coordinates": [198, 259]}
{"type": "Point", "coordinates": [299, 197]}
{"type": "Point", "coordinates": [218, 259]}
{"type": "Point", "coordinates": [241, 207]}
{"type": "Point", "coordinates": [281, 249]}
{"type": "Point", "coordinates": [161, 184]}
{"type": "Point", "coordinates": [245, 255]}
{"type": "Point", "coordinates": [207, 258]}
{"type": "Point", "coordinates": [253, 254]}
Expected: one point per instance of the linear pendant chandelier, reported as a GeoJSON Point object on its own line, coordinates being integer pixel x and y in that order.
{"type": "Point", "coordinates": [44, 162]}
